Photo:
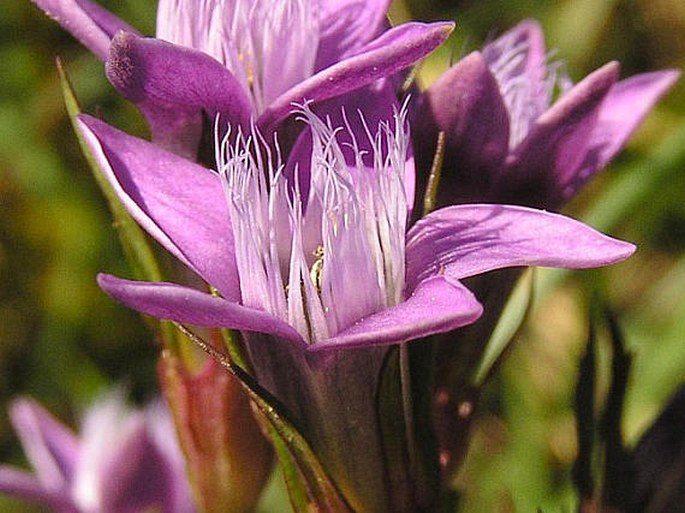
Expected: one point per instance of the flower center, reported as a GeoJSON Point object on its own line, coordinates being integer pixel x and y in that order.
{"type": "Point", "coordinates": [322, 262]}
{"type": "Point", "coordinates": [269, 45]}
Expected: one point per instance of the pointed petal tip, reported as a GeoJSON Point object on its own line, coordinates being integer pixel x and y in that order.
{"type": "Point", "coordinates": [530, 30]}
{"type": "Point", "coordinates": [623, 250]}
{"type": "Point", "coordinates": [91, 24]}
{"type": "Point", "coordinates": [603, 77]}
{"type": "Point", "coordinates": [440, 30]}
{"type": "Point", "coordinates": [627, 104]}
{"type": "Point", "coordinates": [467, 240]}
{"type": "Point", "coordinates": [530, 24]}
{"type": "Point", "coordinates": [395, 50]}
{"type": "Point", "coordinates": [663, 79]}
{"type": "Point", "coordinates": [446, 27]}
{"type": "Point", "coordinates": [671, 75]}
{"type": "Point", "coordinates": [21, 410]}
{"type": "Point", "coordinates": [105, 281]}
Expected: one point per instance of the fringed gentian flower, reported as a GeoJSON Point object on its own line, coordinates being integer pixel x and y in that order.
{"type": "Point", "coordinates": [505, 138]}
{"type": "Point", "coordinates": [122, 461]}
{"type": "Point", "coordinates": [243, 59]}
{"type": "Point", "coordinates": [308, 274]}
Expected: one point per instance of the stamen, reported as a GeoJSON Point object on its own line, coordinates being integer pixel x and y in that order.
{"type": "Point", "coordinates": [357, 265]}
{"type": "Point", "coordinates": [316, 270]}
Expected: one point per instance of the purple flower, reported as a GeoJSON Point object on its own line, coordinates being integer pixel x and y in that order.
{"type": "Point", "coordinates": [244, 59]}
{"type": "Point", "coordinates": [507, 141]}
{"type": "Point", "coordinates": [122, 462]}
{"type": "Point", "coordinates": [306, 273]}
{"type": "Point", "coordinates": [335, 268]}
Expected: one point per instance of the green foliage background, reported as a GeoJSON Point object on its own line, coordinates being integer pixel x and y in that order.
{"type": "Point", "coordinates": [62, 341]}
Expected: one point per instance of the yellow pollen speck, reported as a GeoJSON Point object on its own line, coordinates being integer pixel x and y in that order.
{"type": "Point", "coordinates": [316, 271]}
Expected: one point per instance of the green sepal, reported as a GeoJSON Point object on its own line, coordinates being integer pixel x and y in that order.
{"type": "Point", "coordinates": [297, 491]}
{"type": "Point", "coordinates": [427, 468]}
{"type": "Point", "coordinates": [309, 487]}
{"type": "Point", "coordinates": [405, 399]}
{"type": "Point", "coordinates": [512, 320]}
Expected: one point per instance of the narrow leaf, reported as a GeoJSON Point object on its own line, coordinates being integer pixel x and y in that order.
{"type": "Point", "coordinates": [512, 320]}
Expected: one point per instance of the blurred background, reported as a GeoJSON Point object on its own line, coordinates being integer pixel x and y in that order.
{"type": "Point", "coordinates": [63, 342]}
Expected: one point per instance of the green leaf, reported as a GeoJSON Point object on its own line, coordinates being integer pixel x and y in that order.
{"type": "Point", "coordinates": [513, 318]}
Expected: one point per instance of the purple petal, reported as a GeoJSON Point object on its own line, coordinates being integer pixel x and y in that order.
{"type": "Point", "coordinates": [346, 26]}
{"type": "Point", "coordinates": [173, 86]}
{"type": "Point", "coordinates": [26, 487]}
{"type": "Point", "coordinates": [87, 22]}
{"type": "Point", "coordinates": [557, 143]}
{"type": "Point", "coordinates": [393, 51]}
{"type": "Point", "coordinates": [467, 105]}
{"type": "Point", "coordinates": [181, 204]}
{"type": "Point", "coordinates": [466, 240]}
{"type": "Point", "coordinates": [625, 107]}
{"type": "Point", "coordinates": [115, 451]}
{"type": "Point", "coordinates": [527, 35]}
{"type": "Point", "coordinates": [107, 21]}
{"type": "Point", "coordinates": [186, 305]}
{"type": "Point", "coordinates": [162, 431]}
{"type": "Point", "coordinates": [438, 304]}
{"type": "Point", "coordinates": [125, 482]}
{"type": "Point", "coordinates": [51, 448]}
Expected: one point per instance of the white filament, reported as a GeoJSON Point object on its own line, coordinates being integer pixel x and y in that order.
{"type": "Point", "coordinates": [527, 86]}
{"type": "Point", "coordinates": [323, 265]}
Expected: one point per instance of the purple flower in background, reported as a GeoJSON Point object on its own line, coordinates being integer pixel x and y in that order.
{"type": "Point", "coordinates": [121, 462]}
{"type": "Point", "coordinates": [244, 59]}
{"type": "Point", "coordinates": [506, 140]}
{"type": "Point", "coordinates": [335, 268]}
